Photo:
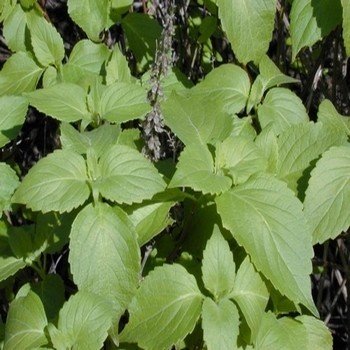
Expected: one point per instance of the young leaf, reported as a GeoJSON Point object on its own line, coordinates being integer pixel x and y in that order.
{"type": "Point", "coordinates": [228, 84]}
{"type": "Point", "coordinates": [195, 169]}
{"type": "Point", "coordinates": [127, 176]}
{"type": "Point", "coordinates": [268, 222]}
{"type": "Point", "coordinates": [65, 102]}
{"type": "Point", "coordinates": [8, 183]}
{"type": "Point", "coordinates": [218, 267]}
{"type": "Point", "coordinates": [83, 323]}
{"type": "Point", "coordinates": [13, 113]}
{"type": "Point", "coordinates": [266, 141]}
{"type": "Point", "coordinates": [220, 323]}
{"type": "Point", "coordinates": [117, 68]}
{"type": "Point", "coordinates": [47, 43]}
{"type": "Point", "coordinates": [121, 102]}
{"type": "Point", "coordinates": [346, 25]}
{"type": "Point", "coordinates": [243, 127]}
{"type": "Point", "coordinates": [281, 108]}
{"type": "Point", "coordinates": [19, 74]}
{"type": "Point", "coordinates": [90, 15]}
{"type": "Point", "coordinates": [73, 140]}
{"type": "Point", "coordinates": [329, 116]}
{"type": "Point", "coordinates": [328, 210]}
{"type": "Point", "coordinates": [88, 56]}
{"type": "Point", "coordinates": [311, 21]}
{"type": "Point", "coordinates": [248, 25]}
{"type": "Point", "coordinates": [102, 239]}
{"type": "Point", "coordinates": [165, 309]}
{"type": "Point", "coordinates": [57, 182]}
{"type": "Point", "coordinates": [196, 119]}
{"type": "Point", "coordinates": [318, 335]}
{"type": "Point", "coordinates": [251, 295]}
{"type": "Point", "coordinates": [25, 323]}
{"type": "Point", "coordinates": [240, 158]}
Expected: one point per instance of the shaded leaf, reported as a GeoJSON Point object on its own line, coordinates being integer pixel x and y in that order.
{"type": "Point", "coordinates": [8, 183]}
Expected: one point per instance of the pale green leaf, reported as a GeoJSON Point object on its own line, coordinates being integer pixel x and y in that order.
{"type": "Point", "coordinates": [117, 68]}
{"type": "Point", "coordinates": [228, 85]}
{"type": "Point", "coordinates": [57, 182]}
{"type": "Point", "coordinates": [218, 267]}
{"type": "Point", "coordinates": [283, 333]}
{"type": "Point", "coordinates": [8, 183]}
{"type": "Point", "coordinates": [121, 102]}
{"type": "Point", "coordinates": [165, 309]}
{"type": "Point", "coordinates": [319, 336]}
{"type": "Point", "coordinates": [299, 145]}
{"type": "Point", "coordinates": [83, 323]}
{"type": "Point", "coordinates": [13, 113]}
{"type": "Point", "coordinates": [65, 102]}
{"type": "Point", "coordinates": [265, 217]}
{"type": "Point", "coordinates": [243, 127]}
{"type": "Point", "coordinates": [248, 25]}
{"type": "Point", "coordinates": [196, 119]}
{"type": "Point", "coordinates": [267, 142]}
{"type": "Point", "coordinates": [73, 140]}
{"type": "Point", "coordinates": [220, 323]}
{"type": "Point", "coordinates": [196, 170]}
{"type": "Point", "coordinates": [346, 25]}
{"type": "Point", "coordinates": [90, 15]}
{"type": "Point", "coordinates": [311, 20]}
{"type": "Point", "coordinates": [50, 77]}
{"type": "Point", "coordinates": [88, 55]}
{"type": "Point", "coordinates": [103, 240]}
{"type": "Point", "coordinates": [127, 176]}
{"type": "Point", "coordinates": [46, 42]}
{"type": "Point", "coordinates": [71, 73]}
{"type": "Point", "coordinates": [6, 7]}
{"type": "Point", "coordinates": [251, 295]}
{"type": "Point", "coordinates": [150, 219]}
{"type": "Point", "coordinates": [239, 158]}
{"type": "Point", "coordinates": [327, 199]}
{"type": "Point", "coordinates": [142, 33]}
{"type": "Point", "coordinates": [25, 323]}
{"type": "Point", "coordinates": [19, 74]}
{"type": "Point", "coordinates": [14, 30]}
{"type": "Point", "coordinates": [329, 116]}
{"type": "Point", "coordinates": [281, 108]}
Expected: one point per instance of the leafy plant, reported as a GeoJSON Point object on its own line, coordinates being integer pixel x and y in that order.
{"type": "Point", "coordinates": [255, 185]}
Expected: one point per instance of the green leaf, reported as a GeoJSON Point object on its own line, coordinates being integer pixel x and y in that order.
{"type": "Point", "coordinates": [150, 219]}
{"type": "Point", "coordinates": [83, 323]}
{"type": "Point", "coordinates": [346, 25]}
{"type": "Point", "coordinates": [268, 222]}
{"type": "Point", "coordinates": [220, 323]}
{"type": "Point", "coordinates": [165, 309]}
{"type": "Point", "coordinates": [102, 239]}
{"type": "Point", "coordinates": [117, 68]}
{"type": "Point", "coordinates": [51, 292]}
{"type": "Point", "coordinates": [127, 176]}
{"type": "Point", "coordinates": [73, 140]}
{"type": "Point", "coordinates": [329, 116]}
{"type": "Point", "coordinates": [267, 143]}
{"type": "Point", "coordinates": [319, 336]}
{"type": "Point", "coordinates": [142, 33]}
{"type": "Point", "coordinates": [281, 108]}
{"type": "Point", "coordinates": [25, 323]}
{"type": "Point", "coordinates": [299, 145]}
{"type": "Point", "coordinates": [218, 267]}
{"type": "Point", "coordinates": [14, 30]}
{"type": "Point", "coordinates": [121, 102]}
{"type": "Point", "coordinates": [8, 183]}
{"type": "Point", "coordinates": [13, 113]}
{"type": "Point", "coordinates": [240, 158]}
{"type": "Point", "coordinates": [46, 42]}
{"type": "Point", "coordinates": [284, 333]}
{"type": "Point", "coordinates": [196, 169]}
{"type": "Point", "coordinates": [251, 295]}
{"type": "Point", "coordinates": [228, 84]}
{"type": "Point", "coordinates": [19, 74]}
{"type": "Point", "coordinates": [326, 204]}
{"type": "Point", "coordinates": [88, 56]}
{"type": "Point", "coordinates": [311, 20]}
{"type": "Point", "coordinates": [243, 127]}
{"type": "Point", "coordinates": [196, 119]}
{"type": "Point", "coordinates": [90, 15]}
{"type": "Point", "coordinates": [57, 182]}
{"type": "Point", "coordinates": [65, 102]}
{"type": "Point", "coordinates": [248, 25]}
